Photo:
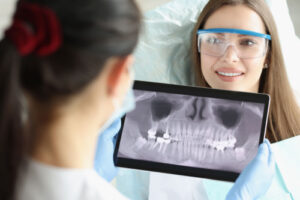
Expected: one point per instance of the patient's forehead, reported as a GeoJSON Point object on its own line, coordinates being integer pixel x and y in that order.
{"type": "Point", "coordinates": [238, 17]}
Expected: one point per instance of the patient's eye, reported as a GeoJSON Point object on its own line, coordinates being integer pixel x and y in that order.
{"type": "Point", "coordinates": [247, 42]}
{"type": "Point", "coordinates": [213, 40]}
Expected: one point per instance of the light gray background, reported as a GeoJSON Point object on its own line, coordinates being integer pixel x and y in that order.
{"type": "Point", "coordinates": [294, 7]}
{"type": "Point", "coordinates": [6, 7]}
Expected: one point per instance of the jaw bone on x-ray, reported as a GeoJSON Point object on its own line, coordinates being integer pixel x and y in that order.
{"type": "Point", "coordinates": [191, 131]}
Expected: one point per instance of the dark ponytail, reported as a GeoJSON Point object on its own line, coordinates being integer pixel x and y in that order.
{"type": "Point", "coordinates": [12, 140]}
{"type": "Point", "coordinates": [92, 31]}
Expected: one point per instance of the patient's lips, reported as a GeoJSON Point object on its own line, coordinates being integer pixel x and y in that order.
{"type": "Point", "coordinates": [229, 74]}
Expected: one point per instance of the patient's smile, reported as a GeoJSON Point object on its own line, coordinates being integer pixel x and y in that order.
{"type": "Point", "coordinates": [229, 74]}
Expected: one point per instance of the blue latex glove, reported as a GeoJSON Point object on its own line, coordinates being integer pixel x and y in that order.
{"type": "Point", "coordinates": [257, 177]}
{"type": "Point", "coordinates": [104, 163]}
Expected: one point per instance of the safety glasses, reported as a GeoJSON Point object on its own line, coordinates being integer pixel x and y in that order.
{"type": "Point", "coordinates": [247, 44]}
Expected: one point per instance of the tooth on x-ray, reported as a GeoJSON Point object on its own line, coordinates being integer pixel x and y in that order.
{"type": "Point", "coordinates": [151, 133]}
{"type": "Point", "coordinates": [202, 131]}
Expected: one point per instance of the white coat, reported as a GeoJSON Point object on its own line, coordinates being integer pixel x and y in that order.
{"type": "Point", "coordinates": [39, 181]}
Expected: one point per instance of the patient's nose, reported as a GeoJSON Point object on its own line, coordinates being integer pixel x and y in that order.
{"type": "Point", "coordinates": [230, 54]}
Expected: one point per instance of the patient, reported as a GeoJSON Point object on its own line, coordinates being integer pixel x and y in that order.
{"type": "Point", "coordinates": [244, 55]}
{"type": "Point", "coordinates": [239, 50]}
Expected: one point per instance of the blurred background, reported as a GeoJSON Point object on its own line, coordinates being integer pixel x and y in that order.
{"type": "Point", "coordinates": [6, 8]}
{"type": "Point", "coordinates": [294, 8]}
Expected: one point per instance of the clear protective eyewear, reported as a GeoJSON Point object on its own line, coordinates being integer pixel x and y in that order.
{"type": "Point", "coordinates": [247, 44]}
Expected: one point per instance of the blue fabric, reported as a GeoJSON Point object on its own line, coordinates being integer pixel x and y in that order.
{"type": "Point", "coordinates": [134, 184]}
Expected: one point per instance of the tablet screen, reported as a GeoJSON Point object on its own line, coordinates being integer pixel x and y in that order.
{"type": "Point", "coordinates": [197, 133]}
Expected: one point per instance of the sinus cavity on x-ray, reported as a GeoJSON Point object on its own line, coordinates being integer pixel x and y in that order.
{"type": "Point", "coordinates": [192, 131]}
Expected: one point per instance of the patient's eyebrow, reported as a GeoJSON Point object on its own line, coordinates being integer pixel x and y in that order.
{"type": "Point", "coordinates": [243, 35]}
{"type": "Point", "coordinates": [219, 34]}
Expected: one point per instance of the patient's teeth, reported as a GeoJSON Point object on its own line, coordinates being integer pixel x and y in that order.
{"type": "Point", "coordinates": [229, 74]}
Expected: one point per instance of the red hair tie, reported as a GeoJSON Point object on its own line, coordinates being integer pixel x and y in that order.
{"type": "Point", "coordinates": [35, 29]}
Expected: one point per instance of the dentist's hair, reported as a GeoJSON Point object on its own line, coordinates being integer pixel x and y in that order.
{"type": "Point", "coordinates": [284, 115]}
{"type": "Point", "coordinates": [82, 36]}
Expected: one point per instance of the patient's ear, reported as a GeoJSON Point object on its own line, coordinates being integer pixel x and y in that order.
{"type": "Point", "coordinates": [119, 75]}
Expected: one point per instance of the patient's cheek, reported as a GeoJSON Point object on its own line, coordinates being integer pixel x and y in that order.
{"type": "Point", "coordinates": [207, 70]}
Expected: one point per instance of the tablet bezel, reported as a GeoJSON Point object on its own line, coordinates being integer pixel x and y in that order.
{"type": "Point", "coordinates": [193, 91]}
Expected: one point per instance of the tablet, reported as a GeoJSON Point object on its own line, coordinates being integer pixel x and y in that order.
{"type": "Point", "coordinates": [191, 131]}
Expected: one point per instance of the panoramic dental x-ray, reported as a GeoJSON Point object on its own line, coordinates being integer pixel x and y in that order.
{"type": "Point", "coordinates": [192, 131]}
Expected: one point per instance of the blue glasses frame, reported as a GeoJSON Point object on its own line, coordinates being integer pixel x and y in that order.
{"type": "Point", "coordinates": [230, 30]}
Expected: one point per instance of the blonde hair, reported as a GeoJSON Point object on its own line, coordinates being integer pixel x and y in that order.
{"type": "Point", "coordinates": [284, 115]}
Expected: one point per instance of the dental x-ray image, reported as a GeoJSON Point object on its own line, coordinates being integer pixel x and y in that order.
{"type": "Point", "coordinates": [192, 131]}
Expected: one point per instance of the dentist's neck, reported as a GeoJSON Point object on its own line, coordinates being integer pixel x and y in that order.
{"type": "Point", "coordinates": [66, 135]}
{"type": "Point", "coordinates": [66, 142]}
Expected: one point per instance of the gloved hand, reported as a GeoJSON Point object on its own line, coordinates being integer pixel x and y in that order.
{"type": "Point", "coordinates": [104, 163]}
{"type": "Point", "coordinates": [257, 177]}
